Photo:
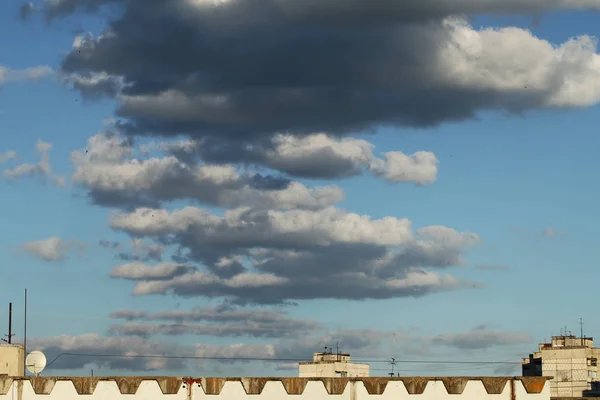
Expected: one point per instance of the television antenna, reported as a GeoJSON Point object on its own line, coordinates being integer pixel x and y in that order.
{"type": "Point", "coordinates": [393, 362]}
{"type": "Point", "coordinates": [35, 362]}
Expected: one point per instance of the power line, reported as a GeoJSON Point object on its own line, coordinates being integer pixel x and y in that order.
{"type": "Point", "coordinates": [103, 355]}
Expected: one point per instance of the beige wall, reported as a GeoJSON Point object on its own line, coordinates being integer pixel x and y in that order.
{"type": "Point", "coordinates": [173, 388]}
{"type": "Point", "coordinates": [332, 370]}
{"type": "Point", "coordinates": [11, 360]}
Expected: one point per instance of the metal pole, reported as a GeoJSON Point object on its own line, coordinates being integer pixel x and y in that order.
{"type": "Point", "coordinates": [25, 336]}
{"type": "Point", "coordinates": [9, 323]}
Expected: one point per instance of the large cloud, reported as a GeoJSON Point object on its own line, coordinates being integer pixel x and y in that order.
{"type": "Point", "coordinates": [277, 256]}
{"type": "Point", "coordinates": [251, 69]}
{"type": "Point", "coordinates": [135, 353]}
{"type": "Point", "coordinates": [101, 350]}
{"type": "Point", "coordinates": [108, 169]}
{"type": "Point", "coordinates": [214, 321]}
{"type": "Point", "coordinates": [481, 337]}
{"type": "Point", "coordinates": [358, 11]}
{"type": "Point", "coordinates": [313, 156]}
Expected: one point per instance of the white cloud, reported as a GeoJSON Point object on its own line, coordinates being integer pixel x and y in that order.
{"type": "Point", "coordinates": [8, 75]}
{"type": "Point", "coordinates": [267, 228]}
{"type": "Point", "coordinates": [112, 177]}
{"type": "Point", "coordinates": [51, 249]}
{"type": "Point", "coordinates": [514, 60]}
{"type": "Point", "coordinates": [41, 170]}
{"type": "Point", "coordinates": [319, 155]}
{"type": "Point", "coordinates": [8, 156]}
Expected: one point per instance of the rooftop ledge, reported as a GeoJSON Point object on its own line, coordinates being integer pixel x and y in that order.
{"type": "Point", "coordinates": [293, 386]}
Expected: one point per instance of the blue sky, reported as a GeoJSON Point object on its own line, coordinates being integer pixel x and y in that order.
{"type": "Point", "coordinates": [504, 177]}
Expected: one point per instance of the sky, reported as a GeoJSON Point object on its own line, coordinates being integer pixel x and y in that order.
{"type": "Point", "coordinates": [263, 178]}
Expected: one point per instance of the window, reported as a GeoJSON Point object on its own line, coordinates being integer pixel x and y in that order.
{"type": "Point", "coordinates": [592, 362]}
{"type": "Point", "coordinates": [592, 374]}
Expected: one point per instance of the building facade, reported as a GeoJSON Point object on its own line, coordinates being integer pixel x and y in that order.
{"type": "Point", "coordinates": [177, 388]}
{"type": "Point", "coordinates": [572, 363]}
{"type": "Point", "coordinates": [332, 365]}
{"type": "Point", "coordinates": [12, 360]}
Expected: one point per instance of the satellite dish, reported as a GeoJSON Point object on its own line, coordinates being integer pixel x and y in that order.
{"type": "Point", "coordinates": [35, 362]}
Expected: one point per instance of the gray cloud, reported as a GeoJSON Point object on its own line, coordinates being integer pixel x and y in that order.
{"type": "Point", "coordinates": [481, 338]}
{"type": "Point", "coordinates": [218, 321]}
{"type": "Point", "coordinates": [98, 346]}
{"type": "Point", "coordinates": [274, 256]}
{"type": "Point", "coordinates": [108, 244]}
{"type": "Point", "coordinates": [138, 270]}
{"type": "Point", "coordinates": [51, 249]}
{"type": "Point", "coordinates": [401, 73]}
{"type": "Point", "coordinates": [362, 344]}
{"type": "Point", "coordinates": [313, 156]}
{"type": "Point", "coordinates": [42, 170]}
{"type": "Point", "coordinates": [113, 177]}
{"type": "Point", "coordinates": [356, 12]}
{"type": "Point", "coordinates": [26, 10]}
{"type": "Point", "coordinates": [129, 315]}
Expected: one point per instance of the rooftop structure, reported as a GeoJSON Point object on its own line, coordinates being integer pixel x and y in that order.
{"type": "Point", "coordinates": [12, 360]}
{"type": "Point", "coordinates": [571, 361]}
{"type": "Point", "coordinates": [178, 388]}
{"type": "Point", "coordinates": [330, 365]}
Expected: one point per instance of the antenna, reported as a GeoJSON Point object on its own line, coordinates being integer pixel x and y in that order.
{"type": "Point", "coordinates": [25, 333]}
{"type": "Point", "coordinates": [581, 330]}
{"type": "Point", "coordinates": [393, 362]}
{"type": "Point", "coordinates": [10, 334]}
{"type": "Point", "coordinates": [35, 362]}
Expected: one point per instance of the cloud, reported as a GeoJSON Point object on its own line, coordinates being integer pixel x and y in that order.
{"type": "Point", "coordinates": [98, 347]}
{"type": "Point", "coordinates": [129, 315]}
{"type": "Point", "coordinates": [52, 249]}
{"type": "Point", "coordinates": [492, 267]}
{"type": "Point", "coordinates": [356, 12]}
{"type": "Point", "coordinates": [277, 256]}
{"type": "Point", "coordinates": [109, 244]}
{"type": "Point", "coordinates": [216, 322]}
{"type": "Point", "coordinates": [113, 178]}
{"type": "Point", "coordinates": [8, 75]}
{"type": "Point", "coordinates": [552, 232]}
{"type": "Point", "coordinates": [402, 73]}
{"type": "Point", "coordinates": [8, 156]}
{"type": "Point", "coordinates": [315, 156]}
{"type": "Point", "coordinates": [361, 343]}
{"type": "Point", "coordinates": [41, 170]}
{"type": "Point", "coordinates": [138, 270]}
{"type": "Point", "coordinates": [481, 338]}
{"type": "Point", "coordinates": [26, 10]}
{"type": "Point", "coordinates": [143, 252]}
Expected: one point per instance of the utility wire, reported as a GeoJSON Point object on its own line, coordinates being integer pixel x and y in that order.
{"type": "Point", "coordinates": [68, 354]}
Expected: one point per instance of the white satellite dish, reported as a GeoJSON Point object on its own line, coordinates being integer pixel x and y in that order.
{"type": "Point", "coordinates": [35, 362]}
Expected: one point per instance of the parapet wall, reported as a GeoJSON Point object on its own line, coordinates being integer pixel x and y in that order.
{"type": "Point", "coordinates": [177, 388]}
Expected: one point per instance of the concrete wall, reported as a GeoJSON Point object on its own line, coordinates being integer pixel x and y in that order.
{"type": "Point", "coordinates": [12, 359]}
{"type": "Point", "coordinates": [333, 370]}
{"type": "Point", "coordinates": [167, 388]}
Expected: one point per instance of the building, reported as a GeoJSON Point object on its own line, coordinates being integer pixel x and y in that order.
{"type": "Point", "coordinates": [178, 388]}
{"type": "Point", "coordinates": [12, 359]}
{"type": "Point", "coordinates": [571, 361]}
{"type": "Point", "coordinates": [332, 365]}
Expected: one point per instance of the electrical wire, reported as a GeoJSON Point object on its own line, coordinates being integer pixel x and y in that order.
{"type": "Point", "coordinates": [69, 354]}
